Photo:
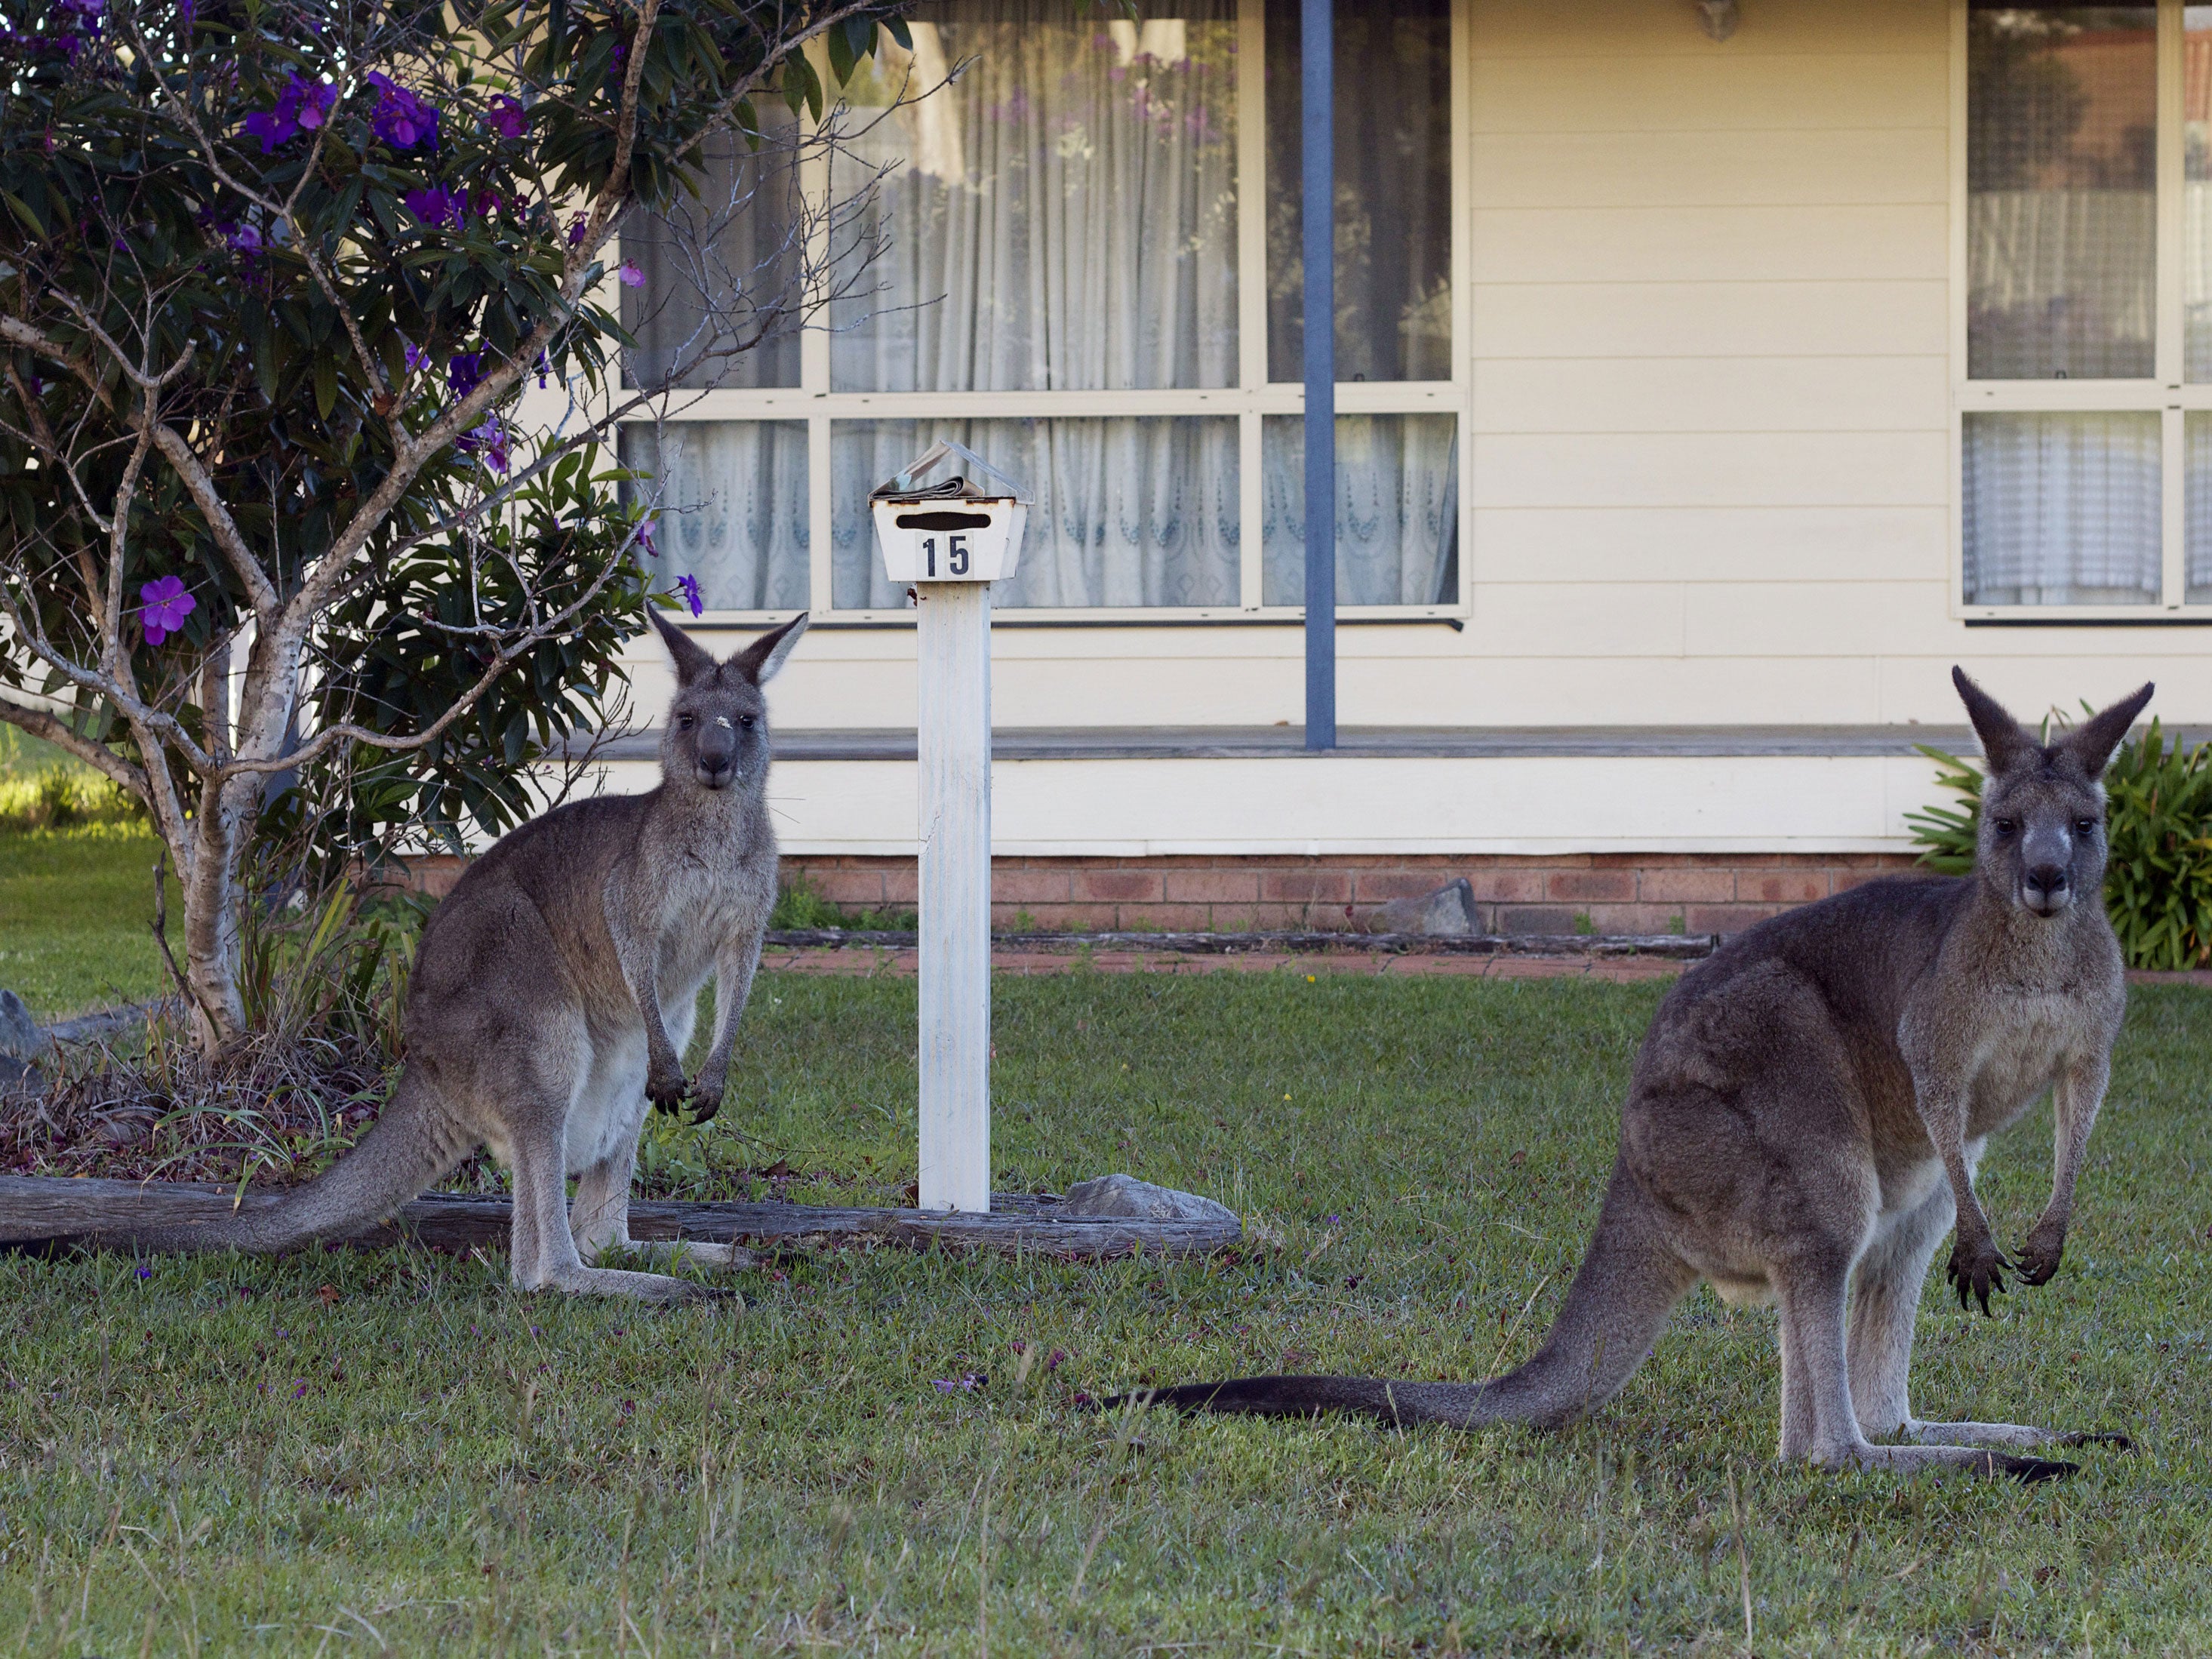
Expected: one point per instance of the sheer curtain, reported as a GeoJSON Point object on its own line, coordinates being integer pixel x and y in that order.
{"type": "Point", "coordinates": [1397, 510]}
{"type": "Point", "coordinates": [2062, 508]}
{"type": "Point", "coordinates": [727, 262]}
{"type": "Point", "coordinates": [2197, 507]}
{"type": "Point", "coordinates": [1061, 217]}
{"type": "Point", "coordinates": [2062, 191]}
{"type": "Point", "coordinates": [730, 501]}
{"type": "Point", "coordinates": [1393, 192]}
{"type": "Point", "coordinates": [1126, 512]}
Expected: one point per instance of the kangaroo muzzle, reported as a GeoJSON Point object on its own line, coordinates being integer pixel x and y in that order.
{"type": "Point", "coordinates": [715, 760]}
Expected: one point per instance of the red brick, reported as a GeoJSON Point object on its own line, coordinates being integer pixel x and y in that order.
{"type": "Point", "coordinates": [1118, 886]}
{"type": "Point", "coordinates": [1306, 886]}
{"type": "Point", "coordinates": [1029, 886]}
{"type": "Point", "coordinates": [1796, 887]}
{"type": "Point", "coordinates": [1381, 887]}
{"type": "Point", "coordinates": [1212, 886]}
{"type": "Point", "coordinates": [1584, 886]}
{"type": "Point", "coordinates": [855, 887]}
{"type": "Point", "coordinates": [1687, 886]}
{"type": "Point", "coordinates": [1728, 918]}
{"type": "Point", "coordinates": [1508, 886]}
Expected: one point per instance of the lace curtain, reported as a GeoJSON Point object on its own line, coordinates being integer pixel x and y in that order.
{"type": "Point", "coordinates": [1135, 512]}
{"type": "Point", "coordinates": [1064, 217]}
{"type": "Point", "coordinates": [1397, 510]}
{"type": "Point", "coordinates": [2062, 508]}
{"type": "Point", "coordinates": [732, 508]}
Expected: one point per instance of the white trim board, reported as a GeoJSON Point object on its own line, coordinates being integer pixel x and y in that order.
{"type": "Point", "coordinates": [1317, 806]}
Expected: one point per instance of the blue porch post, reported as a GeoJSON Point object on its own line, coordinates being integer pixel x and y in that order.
{"type": "Point", "coordinates": [1317, 89]}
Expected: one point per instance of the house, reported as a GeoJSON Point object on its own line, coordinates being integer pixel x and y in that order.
{"type": "Point", "coordinates": [1701, 402]}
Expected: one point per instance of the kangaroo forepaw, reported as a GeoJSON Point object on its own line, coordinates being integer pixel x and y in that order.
{"type": "Point", "coordinates": [2037, 1261]}
{"type": "Point", "coordinates": [2093, 1437]}
{"type": "Point", "coordinates": [1976, 1269]}
{"type": "Point", "coordinates": [667, 1091]}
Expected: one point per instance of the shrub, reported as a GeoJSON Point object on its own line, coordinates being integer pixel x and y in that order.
{"type": "Point", "coordinates": [61, 797]}
{"type": "Point", "coordinates": [798, 906]}
{"type": "Point", "coordinates": [2158, 881]}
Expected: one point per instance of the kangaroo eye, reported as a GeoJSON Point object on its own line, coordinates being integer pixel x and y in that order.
{"type": "Point", "coordinates": [745, 721]}
{"type": "Point", "coordinates": [2004, 826]}
{"type": "Point", "coordinates": [684, 722]}
{"type": "Point", "coordinates": [2085, 826]}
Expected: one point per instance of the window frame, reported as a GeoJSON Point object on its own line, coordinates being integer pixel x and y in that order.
{"type": "Point", "coordinates": [2167, 393]}
{"type": "Point", "coordinates": [1251, 401]}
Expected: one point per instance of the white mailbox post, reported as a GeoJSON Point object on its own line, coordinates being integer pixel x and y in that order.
{"type": "Point", "coordinates": [951, 540]}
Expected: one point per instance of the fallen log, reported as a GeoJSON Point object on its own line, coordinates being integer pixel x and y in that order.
{"type": "Point", "coordinates": [100, 1213]}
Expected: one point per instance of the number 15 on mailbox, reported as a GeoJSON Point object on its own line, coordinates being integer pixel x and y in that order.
{"type": "Point", "coordinates": [965, 528]}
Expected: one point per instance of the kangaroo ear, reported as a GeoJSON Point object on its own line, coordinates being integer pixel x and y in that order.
{"type": "Point", "coordinates": [691, 660]}
{"type": "Point", "coordinates": [2005, 742]}
{"type": "Point", "coordinates": [759, 661]}
{"type": "Point", "coordinates": [2094, 742]}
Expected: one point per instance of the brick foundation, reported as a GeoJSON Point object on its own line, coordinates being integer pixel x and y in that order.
{"type": "Point", "coordinates": [1564, 893]}
{"type": "Point", "coordinates": [1561, 893]}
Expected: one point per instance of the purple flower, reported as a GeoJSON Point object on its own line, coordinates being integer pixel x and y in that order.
{"type": "Point", "coordinates": [465, 373]}
{"type": "Point", "coordinates": [167, 605]}
{"type": "Point", "coordinates": [437, 206]}
{"type": "Point", "coordinates": [506, 117]}
{"type": "Point", "coordinates": [645, 539]}
{"type": "Point", "coordinates": [247, 239]}
{"type": "Point", "coordinates": [416, 357]}
{"type": "Point", "coordinates": [401, 120]}
{"type": "Point", "coordinates": [145, 1272]}
{"type": "Point", "coordinates": [633, 273]}
{"type": "Point", "coordinates": [688, 586]}
{"type": "Point", "coordinates": [490, 440]}
{"type": "Point", "coordinates": [544, 369]}
{"type": "Point", "coordinates": [576, 230]}
{"type": "Point", "coordinates": [302, 107]}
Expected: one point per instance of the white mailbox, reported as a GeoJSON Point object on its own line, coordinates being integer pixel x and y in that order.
{"type": "Point", "coordinates": [966, 528]}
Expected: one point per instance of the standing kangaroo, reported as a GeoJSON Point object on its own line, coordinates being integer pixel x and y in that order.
{"type": "Point", "coordinates": [1802, 1125]}
{"type": "Point", "coordinates": [554, 992]}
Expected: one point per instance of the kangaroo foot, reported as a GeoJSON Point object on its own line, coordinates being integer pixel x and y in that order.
{"type": "Point", "coordinates": [1944, 1459]}
{"type": "Point", "coordinates": [2020, 1435]}
{"type": "Point", "coordinates": [642, 1288]}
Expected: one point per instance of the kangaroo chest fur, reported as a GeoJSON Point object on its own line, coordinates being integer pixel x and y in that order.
{"type": "Point", "coordinates": [704, 894]}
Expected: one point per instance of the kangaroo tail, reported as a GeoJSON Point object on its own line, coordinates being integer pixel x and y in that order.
{"type": "Point", "coordinates": [413, 1142]}
{"type": "Point", "coordinates": [1629, 1283]}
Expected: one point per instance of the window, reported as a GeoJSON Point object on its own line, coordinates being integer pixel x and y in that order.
{"type": "Point", "coordinates": [1088, 272]}
{"type": "Point", "coordinates": [2085, 424]}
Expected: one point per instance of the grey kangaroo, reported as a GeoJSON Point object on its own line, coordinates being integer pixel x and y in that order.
{"type": "Point", "coordinates": [554, 991]}
{"type": "Point", "coordinates": [1803, 1122]}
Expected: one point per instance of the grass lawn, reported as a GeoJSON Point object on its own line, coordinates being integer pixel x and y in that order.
{"type": "Point", "coordinates": [76, 906]}
{"type": "Point", "coordinates": [393, 1450]}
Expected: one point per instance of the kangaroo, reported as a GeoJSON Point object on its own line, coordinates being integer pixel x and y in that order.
{"type": "Point", "coordinates": [554, 991]}
{"type": "Point", "coordinates": [1803, 1122]}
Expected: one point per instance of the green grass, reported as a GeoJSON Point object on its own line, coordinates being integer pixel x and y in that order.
{"type": "Point", "coordinates": [75, 906]}
{"type": "Point", "coordinates": [223, 1457]}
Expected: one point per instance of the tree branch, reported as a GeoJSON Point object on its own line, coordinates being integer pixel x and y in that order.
{"type": "Point", "coordinates": [57, 731]}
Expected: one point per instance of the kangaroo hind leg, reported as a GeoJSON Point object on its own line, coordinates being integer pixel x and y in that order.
{"type": "Point", "coordinates": [599, 1220]}
{"type": "Point", "coordinates": [1823, 1427]}
{"type": "Point", "coordinates": [1886, 1290]}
